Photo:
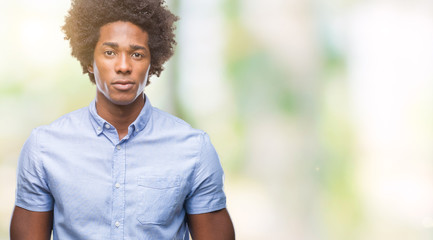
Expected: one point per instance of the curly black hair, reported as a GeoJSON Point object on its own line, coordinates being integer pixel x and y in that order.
{"type": "Point", "coordinates": [86, 17]}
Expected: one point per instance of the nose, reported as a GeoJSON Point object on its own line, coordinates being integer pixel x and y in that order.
{"type": "Point", "coordinates": [123, 64]}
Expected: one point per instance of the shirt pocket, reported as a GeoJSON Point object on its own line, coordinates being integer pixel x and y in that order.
{"type": "Point", "coordinates": [158, 196]}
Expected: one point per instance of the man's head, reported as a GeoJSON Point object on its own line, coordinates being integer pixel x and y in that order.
{"type": "Point", "coordinates": [86, 17]}
{"type": "Point", "coordinates": [121, 63]}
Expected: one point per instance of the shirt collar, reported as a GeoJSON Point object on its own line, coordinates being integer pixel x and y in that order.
{"type": "Point", "coordinates": [139, 124]}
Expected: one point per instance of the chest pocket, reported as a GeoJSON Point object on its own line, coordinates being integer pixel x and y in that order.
{"type": "Point", "coordinates": [158, 198]}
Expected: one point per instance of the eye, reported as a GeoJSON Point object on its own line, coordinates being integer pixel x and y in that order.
{"type": "Point", "coordinates": [137, 55]}
{"type": "Point", "coordinates": [109, 53]}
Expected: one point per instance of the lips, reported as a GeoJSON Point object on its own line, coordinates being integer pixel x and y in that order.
{"type": "Point", "coordinates": [123, 85]}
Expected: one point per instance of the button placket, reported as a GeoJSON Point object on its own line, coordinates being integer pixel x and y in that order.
{"type": "Point", "coordinates": [118, 191]}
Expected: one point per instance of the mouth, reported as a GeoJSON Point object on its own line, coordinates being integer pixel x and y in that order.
{"type": "Point", "coordinates": [123, 85]}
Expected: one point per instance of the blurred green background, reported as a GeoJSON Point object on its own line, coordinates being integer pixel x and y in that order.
{"type": "Point", "coordinates": [321, 110]}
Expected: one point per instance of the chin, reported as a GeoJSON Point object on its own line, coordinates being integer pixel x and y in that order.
{"type": "Point", "coordinates": [124, 101]}
{"type": "Point", "coordinates": [121, 102]}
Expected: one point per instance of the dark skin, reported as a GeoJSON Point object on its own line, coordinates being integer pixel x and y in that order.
{"type": "Point", "coordinates": [121, 60]}
{"type": "Point", "coordinates": [211, 226]}
{"type": "Point", "coordinates": [28, 225]}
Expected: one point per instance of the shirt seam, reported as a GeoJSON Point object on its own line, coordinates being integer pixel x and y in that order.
{"type": "Point", "coordinates": [208, 209]}
{"type": "Point", "coordinates": [198, 156]}
{"type": "Point", "coordinates": [20, 203]}
{"type": "Point", "coordinates": [32, 151]}
{"type": "Point", "coordinates": [42, 170]}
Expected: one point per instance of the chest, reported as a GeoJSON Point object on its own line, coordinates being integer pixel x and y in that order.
{"type": "Point", "coordinates": [133, 176]}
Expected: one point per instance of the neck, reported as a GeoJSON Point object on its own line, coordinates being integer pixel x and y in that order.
{"type": "Point", "coordinates": [120, 116]}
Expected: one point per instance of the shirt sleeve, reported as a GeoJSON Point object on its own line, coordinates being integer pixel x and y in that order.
{"type": "Point", "coordinates": [32, 189]}
{"type": "Point", "coordinates": [207, 194]}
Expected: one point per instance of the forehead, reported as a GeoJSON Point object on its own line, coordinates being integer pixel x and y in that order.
{"type": "Point", "coordinates": [122, 33]}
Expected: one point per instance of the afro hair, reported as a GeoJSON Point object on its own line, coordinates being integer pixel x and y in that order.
{"type": "Point", "coordinates": [86, 17]}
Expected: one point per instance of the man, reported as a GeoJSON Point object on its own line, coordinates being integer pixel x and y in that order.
{"type": "Point", "coordinates": [119, 168]}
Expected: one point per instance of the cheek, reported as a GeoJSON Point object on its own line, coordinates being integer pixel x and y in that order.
{"type": "Point", "coordinates": [100, 84]}
{"type": "Point", "coordinates": [99, 75]}
{"type": "Point", "coordinates": [144, 77]}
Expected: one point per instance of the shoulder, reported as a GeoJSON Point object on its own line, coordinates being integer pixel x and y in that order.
{"type": "Point", "coordinates": [180, 132]}
{"type": "Point", "coordinates": [167, 118]}
{"type": "Point", "coordinates": [71, 118]}
{"type": "Point", "coordinates": [167, 122]}
{"type": "Point", "coordinates": [68, 123]}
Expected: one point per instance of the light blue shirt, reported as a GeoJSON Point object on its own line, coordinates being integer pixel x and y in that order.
{"type": "Point", "coordinates": [140, 187]}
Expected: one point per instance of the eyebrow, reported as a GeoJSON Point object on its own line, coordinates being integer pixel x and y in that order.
{"type": "Point", "coordinates": [111, 44]}
{"type": "Point", "coordinates": [137, 47]}
{"type": "Point", "coordinates": [132, 46]}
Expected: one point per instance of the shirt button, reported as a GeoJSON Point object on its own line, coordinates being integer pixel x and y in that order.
{"type": "Point", "coordinates": [99, 128]}
{"type": "Point", "coordinates": [107, 126]}
{"type": "Point", "coordinates": [117, 185]}
{"type": "Point", "coordinates": [117, 224]}
{"type": "Point", "coordinates": [118, 147]}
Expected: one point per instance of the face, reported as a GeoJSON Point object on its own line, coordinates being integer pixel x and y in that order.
{"type": "Point", "coordinates": [121, 63]}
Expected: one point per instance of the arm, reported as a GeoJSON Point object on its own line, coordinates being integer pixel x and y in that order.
{"type": "Point", "coordinates": [27, 225]}
{"type": "Point", "coordinates": [211, 226]}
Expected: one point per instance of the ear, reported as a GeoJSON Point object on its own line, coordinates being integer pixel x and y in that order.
{"type": "Point", "coordinates": [90, 68]}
